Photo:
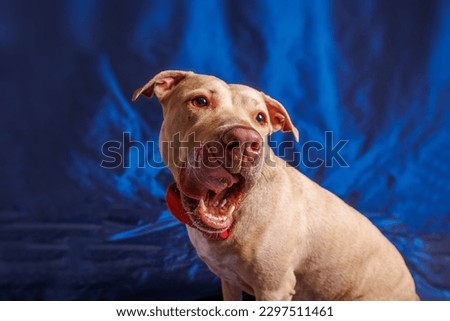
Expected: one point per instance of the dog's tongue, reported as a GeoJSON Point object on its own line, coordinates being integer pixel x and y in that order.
{"type": "Point", "coordinates": [204, 173]}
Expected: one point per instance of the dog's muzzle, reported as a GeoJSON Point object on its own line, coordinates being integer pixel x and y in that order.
{"type": "Point", "coordinates": [213, 180]}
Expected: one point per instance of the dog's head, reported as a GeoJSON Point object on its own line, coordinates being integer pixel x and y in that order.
{"type": "Point", "coordinates": [214, 140]}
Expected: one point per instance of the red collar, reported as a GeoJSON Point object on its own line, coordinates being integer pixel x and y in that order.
{"type": "Point", "coordinates": [176, 208]}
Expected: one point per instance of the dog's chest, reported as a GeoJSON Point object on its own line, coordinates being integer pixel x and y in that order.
{"type": "Point", "coordinates": [223, 260]}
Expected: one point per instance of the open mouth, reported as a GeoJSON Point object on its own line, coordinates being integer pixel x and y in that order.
{"type": "Point", "coordinates": [209, 192]}
{"type": "Point", "coordinates": [213, 211]}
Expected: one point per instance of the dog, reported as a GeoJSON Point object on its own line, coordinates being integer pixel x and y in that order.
{"type": "Point", "coordinates": [259, 224]}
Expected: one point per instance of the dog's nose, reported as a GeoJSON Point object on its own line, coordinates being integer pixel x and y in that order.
{"type": "Point", "coordinates": [247, 138]}
{"type": "Point", "coordinates": [242, 145]}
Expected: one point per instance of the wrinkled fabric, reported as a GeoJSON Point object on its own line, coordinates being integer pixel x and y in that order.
{"type": "Point", "coordinates": [374, 74]}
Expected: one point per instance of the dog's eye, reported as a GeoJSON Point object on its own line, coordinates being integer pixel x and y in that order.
{"type": "Point", "coordinates": [200, 101]}
{"type": "Point", "coordinates": [261, 118]}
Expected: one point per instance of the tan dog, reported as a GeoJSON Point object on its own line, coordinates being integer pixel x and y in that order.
{"type": "Point", "coordinates": [259, 224]}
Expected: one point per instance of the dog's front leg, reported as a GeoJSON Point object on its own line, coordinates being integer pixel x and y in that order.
{"type": "Point", "coordinates": [230, 292]}
{"type": "Point", "coordinates": [284, 290]}
{"type": "Point", "coordinates": [280, 295]}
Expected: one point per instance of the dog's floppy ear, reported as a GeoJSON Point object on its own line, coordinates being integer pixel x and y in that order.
{"type": "Point", "coordinates": [161, 84]}
{"type": "Point", "coordinates": [279, 118]}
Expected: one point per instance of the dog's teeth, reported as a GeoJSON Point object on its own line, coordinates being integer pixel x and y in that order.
{"type": "Point", "coordinates": [236, 167]}
{"type": "Point", "coordinates": [231, 210]}
{"type": "Point", "coordinates": [236, 162]}
{"type": "Point", "coordinates": [216, 218]}
{"type": "Point", "coordinates": [202, 205]}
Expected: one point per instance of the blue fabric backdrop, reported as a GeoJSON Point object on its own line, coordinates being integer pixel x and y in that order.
{"type": "Point", "coordinates": [375, 73]}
